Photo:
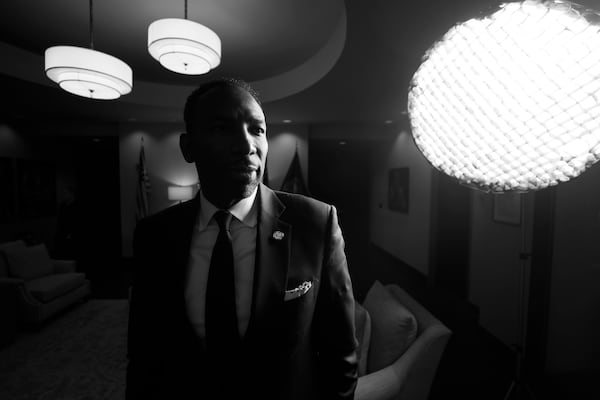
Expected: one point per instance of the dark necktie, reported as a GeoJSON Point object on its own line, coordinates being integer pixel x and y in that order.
{"type": "Point", "coordinates": [222, 336]}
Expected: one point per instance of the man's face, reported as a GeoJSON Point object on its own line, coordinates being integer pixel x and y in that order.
{"type": "Point", "coordinates": [228, 143]}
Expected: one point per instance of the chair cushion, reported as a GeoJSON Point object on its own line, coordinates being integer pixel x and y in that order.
{"type": "Point", "coordinates": [363, 334]}
{"type": "Point", "coordinates": [4, 271]}
{"type": "Point", "coordinates": [49, 287]}
{"type": "Point", "coordinates": [393, 327]}
{"type": "Point", "coordinates": [29, 262]}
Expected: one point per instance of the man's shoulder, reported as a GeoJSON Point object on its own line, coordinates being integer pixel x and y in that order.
{"type": "Point", "coordinates": [300, 200]}
{"type": "Point", "coordinates": [301, 207]}
{"type": "Point", "coordinates": [168, 216]}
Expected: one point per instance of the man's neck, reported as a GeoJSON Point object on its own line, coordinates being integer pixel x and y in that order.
{"type": "Point", "coordinates": [224, 201]}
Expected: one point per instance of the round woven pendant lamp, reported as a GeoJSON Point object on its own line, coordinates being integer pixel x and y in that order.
{"type": "Point", "coordinates": [511, 101]}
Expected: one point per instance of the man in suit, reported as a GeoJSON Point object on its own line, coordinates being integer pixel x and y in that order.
{"type": "Point", "coordinates": [242, 291]}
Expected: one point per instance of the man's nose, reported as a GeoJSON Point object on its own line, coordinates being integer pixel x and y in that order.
{"type": "Point", "coordinates": [243, 142]}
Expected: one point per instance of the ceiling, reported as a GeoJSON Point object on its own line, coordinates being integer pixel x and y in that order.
{"type": "Point", "coordinates": [313, 61]}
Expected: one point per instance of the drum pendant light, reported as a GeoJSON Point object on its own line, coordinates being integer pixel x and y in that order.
{"type": "Point", "coordinates": [87, 72]}
{"type": "Point", "coordinates": [184, 46]}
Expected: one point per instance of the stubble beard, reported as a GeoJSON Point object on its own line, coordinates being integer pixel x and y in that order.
{"type": "Point", "coordinates": [224, 192]}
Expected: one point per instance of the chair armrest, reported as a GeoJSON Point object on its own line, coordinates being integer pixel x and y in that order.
{"type": "Point", "coordinates": [418, 365]}
{"type": "Point", "coordinates": [384, 384]}
{"type": "Point", "coordinates": [20, 287]}
{"type": "Point", "coordinates": [4, 281]}
{"type": "Point", "coordinates": [64, 266]}
{"type": "Point", "coordinates": [411, 375]}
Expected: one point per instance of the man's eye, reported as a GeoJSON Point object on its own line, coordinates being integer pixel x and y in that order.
{"type": "Point", "coordinates": [257, 130]}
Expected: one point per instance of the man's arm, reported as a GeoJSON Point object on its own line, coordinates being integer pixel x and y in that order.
{"type": "Point", "coordinates": [338, 362]}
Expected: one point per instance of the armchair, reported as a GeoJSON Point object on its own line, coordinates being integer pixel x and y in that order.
{"type": "Point", "coordinates": [43, 286]}
{"type": "Point", "coordinates": [401, 344]}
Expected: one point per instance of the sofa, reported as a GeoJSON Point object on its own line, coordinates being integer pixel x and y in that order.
{"type": "Point", "coordinates": [400, 345]}
{"type": "Point", "coordinates": [42, 286]}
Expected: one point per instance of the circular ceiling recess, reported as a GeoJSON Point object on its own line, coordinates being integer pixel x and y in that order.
{"type": "Point", "coordinates": [280, 47]}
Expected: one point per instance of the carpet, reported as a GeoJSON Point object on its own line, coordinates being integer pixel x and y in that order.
{"type": "Point", "coordinates": [78, 355]}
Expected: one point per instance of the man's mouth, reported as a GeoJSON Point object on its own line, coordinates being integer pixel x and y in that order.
{"type": "Point", "coordinates": [243, 168]}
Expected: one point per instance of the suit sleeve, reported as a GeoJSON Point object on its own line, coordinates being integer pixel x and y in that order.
{"type": "Point", "coordinates": [142, 366]}
{"type": "Point", "coordinates": [336, 339]}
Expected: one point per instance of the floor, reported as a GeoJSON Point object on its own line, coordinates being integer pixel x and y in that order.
{"type": "Point", "coordinates": [110, 280]}
{"type": "Point", "coordinates": [473, 367]}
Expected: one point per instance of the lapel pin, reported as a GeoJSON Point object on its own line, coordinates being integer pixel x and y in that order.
{"type": "Point", "coordinates": [278, 235]}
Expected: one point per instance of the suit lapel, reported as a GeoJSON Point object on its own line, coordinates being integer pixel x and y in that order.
{"type": "Point", "coordinates": [179, 241]}
{"type": "Point", "coordinates": [272, 260]}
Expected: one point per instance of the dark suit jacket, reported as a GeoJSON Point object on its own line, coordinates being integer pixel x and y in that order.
{"type": "Point", "coordinates": [297, 349]}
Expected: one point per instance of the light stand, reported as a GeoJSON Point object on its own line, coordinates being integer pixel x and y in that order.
{"type": "Point", "coordinates": [518, 386]}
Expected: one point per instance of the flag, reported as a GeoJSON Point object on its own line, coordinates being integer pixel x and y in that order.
{"type": "Point", "coordinates": [143, 187]}
{"type": "Point", "coordinates": [293, 181]}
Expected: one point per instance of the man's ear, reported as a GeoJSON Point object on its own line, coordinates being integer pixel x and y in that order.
{"type": "Point", "coordinates": [186, 146]}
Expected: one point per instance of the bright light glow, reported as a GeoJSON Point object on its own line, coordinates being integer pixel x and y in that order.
{"type": "Point", "coordinates": [88, 73]}
{"type": "Point", "coordinates": [180, 192]}
{"type": "Point", "coordinates": [184, 46]}
{"type": "Point", "coordinates": [511, 101]}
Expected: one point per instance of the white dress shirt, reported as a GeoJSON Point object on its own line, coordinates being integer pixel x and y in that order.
{"type": "Point", "coordinates": [243, 234]}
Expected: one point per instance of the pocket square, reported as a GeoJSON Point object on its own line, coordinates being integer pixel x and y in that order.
{"type": "Point", "coordinates": [297, 292]}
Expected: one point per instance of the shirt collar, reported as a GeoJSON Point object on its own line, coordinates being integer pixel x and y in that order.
{"type": "Point", "coordinates": [244, 210]}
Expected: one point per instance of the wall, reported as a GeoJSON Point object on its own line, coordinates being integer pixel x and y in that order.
{"type": "Point", "coordinates": [574, 308]}
{"type": "Point", "coordinates": [17, 144]}
{"type": "Point", "coordinates": [12, 142]}
{"type": "Point", "coordinates": [166, 166]}
{"type": "Point", "coordinates": [495, 268]}
{"type": "Point", "coordinates": [574, 315]}
{"type": "Point", "coordinates": [405, 236]}
{"type": "Point", "coordinates": [284, 139]}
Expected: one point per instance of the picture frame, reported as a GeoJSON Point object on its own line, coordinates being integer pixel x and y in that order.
{"type": "Point", "coordinates": [399, 190]}
{"type": "Point", "coordinates": [507, 208]}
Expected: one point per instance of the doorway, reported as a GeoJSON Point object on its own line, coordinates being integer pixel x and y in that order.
{"type": "Point", "coordinates": [338, 174]}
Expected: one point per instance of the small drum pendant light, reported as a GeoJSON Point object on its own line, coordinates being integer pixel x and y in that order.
{"type": "Point", "coordinates": [184, 46]}
{"type": "Point", "coordinates": [87, 72]}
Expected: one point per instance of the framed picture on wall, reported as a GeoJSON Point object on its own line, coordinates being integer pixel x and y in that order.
{"type": "Point", "coordinates": [398, 191]}
{"type": "Point", "coordinates": [507, 208]}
